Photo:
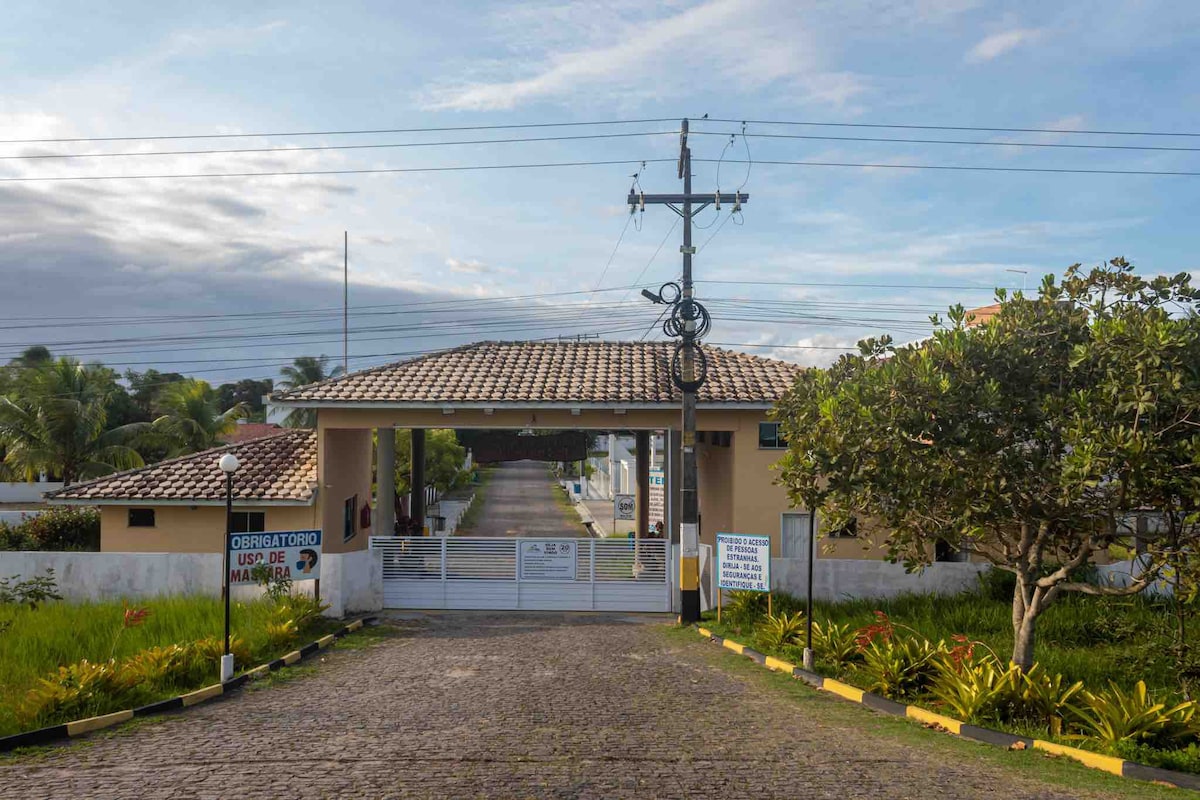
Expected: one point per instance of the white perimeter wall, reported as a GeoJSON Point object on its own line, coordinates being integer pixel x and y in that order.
{"type": "Point", "coordinates": [844, 578]}
{"type": "Point", "coordinates": [350, 582]}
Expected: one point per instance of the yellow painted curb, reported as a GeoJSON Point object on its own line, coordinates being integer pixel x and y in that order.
{"type": "Point", "coordinates": [705, 632]}
{"type": "Point", "coordinates": [734, 646]}
{"type": "Point", "coordinates": [776, 664]}
{"type": "Point", "coordinates": [259, 671]}
{"type": "Point", "coordinates": [200, 695]}
{"type": "Point", "coordinates": [1107, 763]}
{"type": "Point", "coordinates": [325, 641]}
{"type": "Point", "coordinates": [930, 718]}
{"type": "Point", "coordinates": [96, 723]}
{"type": "Point", "coordinates": [353, 626]}
{"type": "Point", "coordinates": [842, 689]}
{"type": "Point", "coordinates": [292, 657]}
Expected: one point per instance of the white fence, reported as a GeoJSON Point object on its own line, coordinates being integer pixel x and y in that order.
{"type": "Point", "coordinates": [837, 579]}
{"type": "Point", "coordinates": [525, 573]}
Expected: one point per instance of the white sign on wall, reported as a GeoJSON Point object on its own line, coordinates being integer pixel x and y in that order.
{"type": "Point", "coordinates": [658, 485]}
{"type": "Point", "coordinates": [624, 506]}
{"type": "Point", "coordinates": [547, 561]}
{"type": "Point", "coordinates": [290, 555]}
{"type": "Point", "coordinates": [744, 562]}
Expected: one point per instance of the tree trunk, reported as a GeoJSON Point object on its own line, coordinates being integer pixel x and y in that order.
{"type": "Point", "coordinates": [1024, 616]}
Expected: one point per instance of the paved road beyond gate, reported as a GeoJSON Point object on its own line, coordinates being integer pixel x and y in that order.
{"type": "Point", "coordinates": [525, 573]}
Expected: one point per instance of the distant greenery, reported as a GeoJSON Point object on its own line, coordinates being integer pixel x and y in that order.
{"type": "Point", "coordinates": [303, 371]}
{"type": "Point", "coordinates": [56, 528]}
{"type": "Point", "coordinates": [73, 421]}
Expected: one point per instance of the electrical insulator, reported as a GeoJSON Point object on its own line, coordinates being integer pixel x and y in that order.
{"type": "Point", "coordinates": [718, 201]}
{"type": "Point", "coordinates": [643, 196]}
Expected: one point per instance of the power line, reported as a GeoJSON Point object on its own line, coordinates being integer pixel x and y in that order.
{"type": "Point", "coordinates": [613, 254]}
{"type": "Point", "coordinates": [304, 172]}
{"type": "Point", "coordinates": [1077, 131]}
{"type": "Point", "coordinates": [971, 168]}
{"type": "Point", "coordinates": [312, 148]}
{"type": "Point", "coordinates": [960, 142]}
{"type": "Point", "coordinates": [363, 132]}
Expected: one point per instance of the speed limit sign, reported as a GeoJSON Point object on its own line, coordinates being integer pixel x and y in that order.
{"type": "Point", "coordinates": [625, 506]}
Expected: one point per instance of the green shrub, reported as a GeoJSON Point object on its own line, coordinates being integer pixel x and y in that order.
{"type": "Point", "coordinates": [57, 528]}
{"type": "Point", "coordinates": [79, 690]}
{"type": "Point", "coordinates": [1115, 715]}
{"type": "Point", "coordinates": [745, 609]}
{"type": "Point", "coordinates": [1186, 759]}
{"type": "Point", "coordinates": [976, 691]}
{"type": "Point", "coordinates": [997, 585]}
{"type": "Point", "coordinates": [836, 645]}
{"type": "Point", "coordinates": [30, 592]}
{"type": "Point", "coordinates": [899, 668]}
{"type": "Point", "coordinates": [1048, 697]}
{"type": "Point", "coordinates": [779, 631]}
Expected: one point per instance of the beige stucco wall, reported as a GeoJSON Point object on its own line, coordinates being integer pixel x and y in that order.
{"type": "Point", "coordinates": [189, 529]}
{"type": "Point", "coordinates": [714, 467]}
{"type": "Point", "coordinates": [344, 463]}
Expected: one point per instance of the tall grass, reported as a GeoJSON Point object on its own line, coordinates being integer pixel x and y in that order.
{"type": "Point", "coordinates": [39, 641]}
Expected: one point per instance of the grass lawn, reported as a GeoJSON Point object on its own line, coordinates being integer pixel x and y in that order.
{"type": "Point", "coordinates": [818, 710]}
{"type": "Point", "coordinates": [471, 518]}
{"type": "Point", "coordinates": [34, 643]}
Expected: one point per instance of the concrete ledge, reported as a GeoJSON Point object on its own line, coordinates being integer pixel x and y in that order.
{"type": "Point", "coordinates": [1109, 764]}
{"type": "Point", "coordinates": [80, 727]}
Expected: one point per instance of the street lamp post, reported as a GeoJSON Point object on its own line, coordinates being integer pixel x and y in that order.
{"type": "Point", "coordinates": [228, 464]}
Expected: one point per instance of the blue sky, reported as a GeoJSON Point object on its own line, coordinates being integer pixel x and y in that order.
{"type": "Point", "coordinates": [174, 250]}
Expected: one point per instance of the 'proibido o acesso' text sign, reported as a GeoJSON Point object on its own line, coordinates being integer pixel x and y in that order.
{"type": "Point", "coordinates": [744, 562]}
{"type": "Point", "coordinates": [292, 555]}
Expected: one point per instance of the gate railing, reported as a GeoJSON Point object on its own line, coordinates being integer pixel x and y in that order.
{"type": "Point", "coordinates": [524, 560]}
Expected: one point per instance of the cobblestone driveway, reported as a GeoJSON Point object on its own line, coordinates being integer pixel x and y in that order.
{"type": "Point", "coordinates": [468, 705]}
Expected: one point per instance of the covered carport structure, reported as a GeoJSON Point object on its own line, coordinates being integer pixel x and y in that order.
{"type": "Point", "coordinates": [554, 385]}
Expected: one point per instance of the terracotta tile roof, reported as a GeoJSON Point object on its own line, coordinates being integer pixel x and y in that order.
{"type": "Point", "coordinates": [279, 468]}
{"type": "Point", "coordinates": [252, 430]}
{"type": "Point", "coordinates": [981, 315]}
{"type": "Point", "coordinates": [552, 372]}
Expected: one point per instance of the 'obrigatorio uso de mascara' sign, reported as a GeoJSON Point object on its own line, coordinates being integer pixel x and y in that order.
{"type": "Point", "coordinates": [292, 555]}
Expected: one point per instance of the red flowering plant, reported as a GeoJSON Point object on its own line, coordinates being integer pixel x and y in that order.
{"type": "Point", "coordinates": [132, 618]}
{"type": "Point", "coordinates": [881, 629]}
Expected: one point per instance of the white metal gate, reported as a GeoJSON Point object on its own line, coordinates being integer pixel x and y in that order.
{"type": "Point", "coordinates": [525, 573]}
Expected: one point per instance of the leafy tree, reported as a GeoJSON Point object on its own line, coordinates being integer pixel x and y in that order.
{"type": "Point", "coordinates": [1025, 439]}
{"type": "Point", "coordinates": [145, 387]}
{"type": "Point", "coordinates": [248, 392]}
{"type": "Point", "coordinates": [190, 417]}
{"type": "Point", "coordinates": [444, 458]}
{"type": "Point", "coordinates": [57, 423]}
{"type": "Point", "coordinates": [305, 370]}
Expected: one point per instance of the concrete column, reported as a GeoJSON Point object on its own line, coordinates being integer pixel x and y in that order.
{"type": "Point", "coordinates": [385, 481]}
{"type": "Point", "coordinates": [673, 473]}
{"type": "Point", "coordinates": [417, 505]}
{"type": "Point", "coordinates": [642, 461]}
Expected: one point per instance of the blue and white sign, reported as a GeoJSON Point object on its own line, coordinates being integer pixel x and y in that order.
{"type": "Point", "coordinates": [291, 555]}
{"type": "Point", "coordinates": [744, 562]}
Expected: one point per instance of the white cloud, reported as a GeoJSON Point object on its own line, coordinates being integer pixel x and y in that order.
{"type": "Point", "coordinates": [1000, 43]}
{"type": "Point", "coordinates": [469, 266]}
{"type": "Point", "coordinates": [741, 42]}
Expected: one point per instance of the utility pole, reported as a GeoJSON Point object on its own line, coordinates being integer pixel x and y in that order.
{"type": "Point", "coordinates": [689, 321]}
{"type": "Point", "coordinates": [345, 302]}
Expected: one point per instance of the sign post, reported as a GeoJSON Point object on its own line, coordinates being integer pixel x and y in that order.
{"type": "Point", "coordinates": [743, 564]}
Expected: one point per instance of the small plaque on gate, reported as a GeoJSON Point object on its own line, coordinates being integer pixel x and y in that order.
{"type": "Point", "coordinates": [548, 560]}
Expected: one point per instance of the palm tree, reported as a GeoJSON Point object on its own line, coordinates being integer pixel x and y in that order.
{"type": "Point", "coordinates": [190, 419]}
{"type": "Point", "coordinates": [305, 370]}
{"type": "Point", "coordinates": [57, 424]}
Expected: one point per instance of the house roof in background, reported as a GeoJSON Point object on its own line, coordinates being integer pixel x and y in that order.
{"type": "Point", "coordinates": [275, 469]}
{"type": "Point", "coordinates": [246, 431]}
{"type": "Point", "coordinates": [564, 372]}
